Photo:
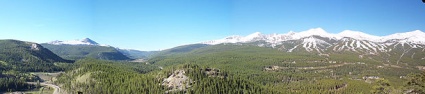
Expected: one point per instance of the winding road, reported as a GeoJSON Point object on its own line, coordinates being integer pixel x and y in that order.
{"type": "Point", "coordinates": [57, 88]}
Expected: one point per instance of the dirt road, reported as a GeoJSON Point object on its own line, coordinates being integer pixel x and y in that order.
{"type": "Point", "coordinates": [57, 88]}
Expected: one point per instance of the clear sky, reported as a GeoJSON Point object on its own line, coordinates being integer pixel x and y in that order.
{"type": "Point", "coordinates": [161, 24]}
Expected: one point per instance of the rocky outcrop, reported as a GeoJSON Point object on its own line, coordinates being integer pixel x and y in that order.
{"type": "Point", "coordinates": [35, 47]}
{"type": "Point", "coordinates": [272, 68]}
{"type": "Point", "coordinates": [177, 81]}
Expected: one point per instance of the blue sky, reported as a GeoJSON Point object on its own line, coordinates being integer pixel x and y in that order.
{"type": "Point", "coordinates": [161, 24]}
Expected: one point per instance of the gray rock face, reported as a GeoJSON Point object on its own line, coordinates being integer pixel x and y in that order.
{"type": "Point", "coordinates": [177, 81]}
{"type": "Point", "coordinates": [35, 47]}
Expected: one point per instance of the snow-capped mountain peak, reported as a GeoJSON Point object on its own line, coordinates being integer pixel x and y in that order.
{"type": "Point", "coordinates": [84, 41]}
{"type": "Point", "coordinates": [253, 36]}
{"type": "Point", "coordinates": [416, 36]}
{"type": "Point", "coordinates": [416, 33]}
{"type": "Point", "coordinates": [291, 33]}
{"type": "Point", "coordinates": [314, 31]}
{"type": "Point", "coordinates": [87, 40]}
{"type": "Point", "coordinates": [358, 35]}
{"type": "Point", "coordinates": [235, 39]}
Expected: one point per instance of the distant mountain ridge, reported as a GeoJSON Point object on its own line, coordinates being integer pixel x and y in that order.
{"type": "Point", "coordinates": [416, 37]}
{"type": "Point", "coordinates": [86, 47]}
{"type": "Point", "coordinates": [82, 48]}
{"type": "Point", "coordinates": [136, 54]}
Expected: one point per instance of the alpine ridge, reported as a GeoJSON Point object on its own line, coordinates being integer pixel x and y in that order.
{"type": "Point", "coordinates": [416, 37]}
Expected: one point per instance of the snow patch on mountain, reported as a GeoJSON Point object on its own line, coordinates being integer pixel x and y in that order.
{"type": "Point", "coordinates": [252, 37]}
{"type": "Point", "coordinates": [311, 43]}
{"type": "Point", "coordinates": [231, 39]}
{"type": "Point", "coordinates": [84, 41]}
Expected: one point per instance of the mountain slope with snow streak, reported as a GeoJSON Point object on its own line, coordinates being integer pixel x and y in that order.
{"type": "Point", "coordinates": [318, 40]}
{"type": "Point", "coordinates": [417, 37]}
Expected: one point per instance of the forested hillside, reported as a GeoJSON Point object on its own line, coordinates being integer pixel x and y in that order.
{"type": "Point", "coordinates": [136, 54]}
{"type": "Point", "coordinates": [27, 56]}
{"type": "Point", "coordinates": [95, 76]}
{"type": "Point", "coordinates": [300, 72]}
{"type": "Point", "coordinates": [75, 52]}
{"type": "Point", "coordinates": [179, 50]}
{"type": "Point", "coordinates": [19, 57]}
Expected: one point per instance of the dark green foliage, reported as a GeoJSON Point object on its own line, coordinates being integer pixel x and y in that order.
{"type": "Point", "coordinates": [416, 83]}
{"type": "Point", "coordinates": [381, 86]}
{"type": "Point", "coordinates": [75, 52]}
{"type": "Point", "coordinates": [344, 71]}
{"type": "Point", "coordinates": [14, 81]}
{"type": "Point", "coordinates": [112, 78]}
{"type": "Point", "coordinates": [108, 77]}
{"type": "Point", "coordinates": [8, 84]}
{"type": "Point", "coordinates": [220, 83]}
{"type": "Point", "coordinates": [18, 57]}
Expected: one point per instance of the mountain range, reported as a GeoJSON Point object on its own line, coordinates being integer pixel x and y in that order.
{"type": "Point", "coordinates": [416, 37]}
{"type": "Point", "coordinates": [319, 41]}
{"type": "Point", "coordinates": [81, 48]}
{"type": "Point", "coordinates": [396, 48]}
{"type": "Point", "coordinates": [314, 40]}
